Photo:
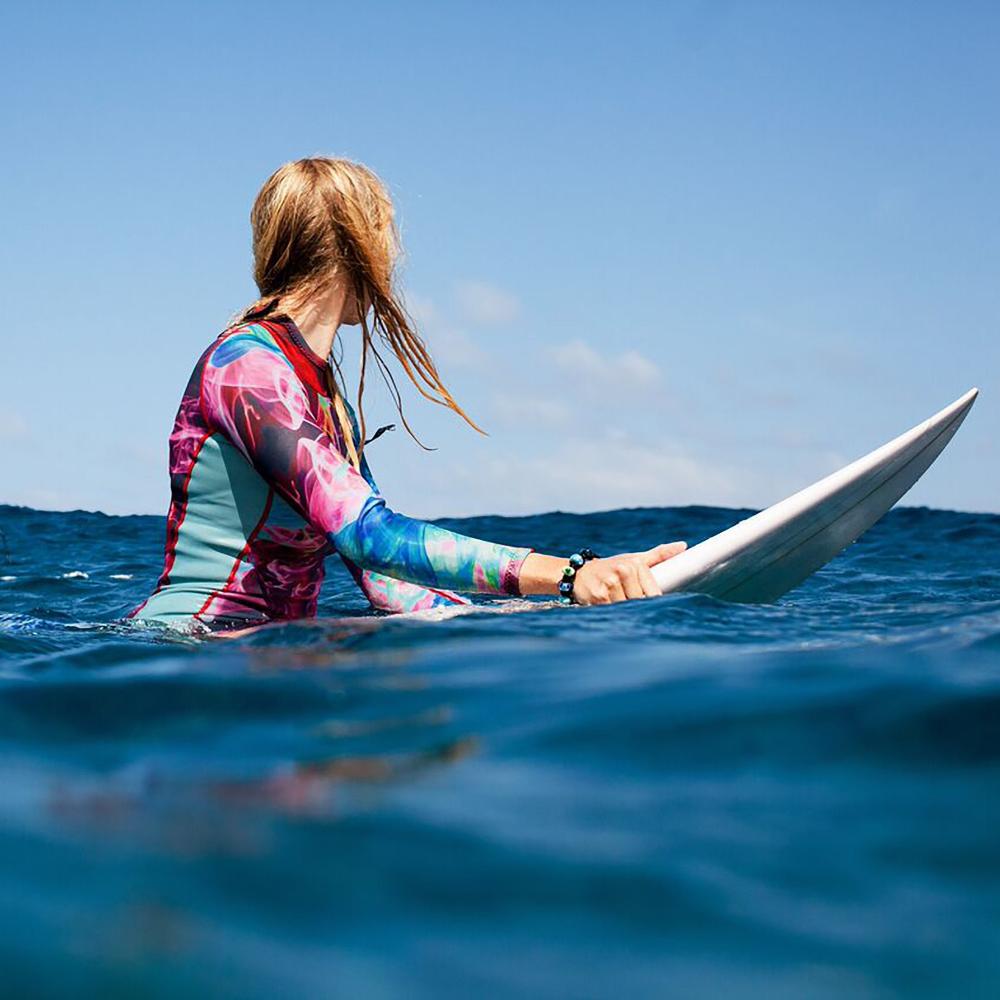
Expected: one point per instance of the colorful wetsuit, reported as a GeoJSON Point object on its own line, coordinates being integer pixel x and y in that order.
{"type": "Point", "coordinates": [262, 492]}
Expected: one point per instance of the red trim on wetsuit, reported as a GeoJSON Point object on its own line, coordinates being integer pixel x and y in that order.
{"type": "Point", "coordinates": [306, 364]}
{"type": "Point", "coordinates": [174, 527]}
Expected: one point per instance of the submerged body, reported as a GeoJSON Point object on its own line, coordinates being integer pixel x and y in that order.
{"type": "Point", "coordinates": [262, 492]}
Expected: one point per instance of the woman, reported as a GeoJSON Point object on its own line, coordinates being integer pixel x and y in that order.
{"type": "Point", "coordinates": [267, 465]}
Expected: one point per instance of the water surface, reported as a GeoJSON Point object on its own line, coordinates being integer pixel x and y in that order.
{"type": "Point", "coordinates": [669, 797]}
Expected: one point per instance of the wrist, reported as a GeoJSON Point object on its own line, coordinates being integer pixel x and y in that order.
{"type": "Point", "coordinates": [576, 563]}
{"type": "Point", "coordinates": [540, 574]}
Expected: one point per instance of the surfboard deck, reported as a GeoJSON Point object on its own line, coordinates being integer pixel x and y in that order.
{"type": "Point", "coordinates": [763, 557]}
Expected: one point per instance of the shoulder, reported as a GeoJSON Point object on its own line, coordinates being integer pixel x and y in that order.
{"type": "Point", "coordinates": [246, 345]}
{"type": "Point", "coordinates": [247, 372]}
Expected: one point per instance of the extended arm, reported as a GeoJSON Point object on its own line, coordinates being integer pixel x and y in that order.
{"type": "Point", "coordinates": [386, 593]}
{"type": "Point", "coordinates": [251, 393]}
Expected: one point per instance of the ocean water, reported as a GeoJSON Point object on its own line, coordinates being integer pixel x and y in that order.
{"type": "Point", "coordinates": [676, 797]}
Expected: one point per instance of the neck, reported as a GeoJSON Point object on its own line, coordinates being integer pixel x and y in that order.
{"type": "Point", "coordinates": [318, 318]}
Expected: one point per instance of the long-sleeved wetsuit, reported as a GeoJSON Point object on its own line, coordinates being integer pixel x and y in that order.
{"type": "Point", "coordinates": [262, 493]}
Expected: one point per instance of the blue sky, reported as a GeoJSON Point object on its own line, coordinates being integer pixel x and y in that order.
{"type": "Point", "coordinates": [666, 253]}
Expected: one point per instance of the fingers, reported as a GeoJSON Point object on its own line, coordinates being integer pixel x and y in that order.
{"type": "Point", "coordinates": [629, 577]}
{"type": "Point", "coordinates": [625, 577]}
{"type": "Point", "coordinates": [600, 582]}
{"type": "Point", "coordinates": [624, 582]}
{"type": "Point", "coordinates": [637, 580]}
{"type": "Point", "coordinates": [660, 553]}
{"type": "Point", "coordinates": [616, 589]}
{"type": "Point", "coordinates": [650, 588]}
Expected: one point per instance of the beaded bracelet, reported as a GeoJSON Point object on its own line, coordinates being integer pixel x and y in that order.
{"type": "Point", "coordinates": [576, 560]}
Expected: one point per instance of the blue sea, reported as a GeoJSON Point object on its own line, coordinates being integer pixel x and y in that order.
{"type": "Point", "coordinates": [673, 797]}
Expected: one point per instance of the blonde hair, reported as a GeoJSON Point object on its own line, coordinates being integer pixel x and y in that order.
{"type": "Point", "coordinates": [319, 217]}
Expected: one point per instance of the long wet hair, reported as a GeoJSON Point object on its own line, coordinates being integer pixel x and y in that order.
{"type": "Point", "coordinates": [322, 218]}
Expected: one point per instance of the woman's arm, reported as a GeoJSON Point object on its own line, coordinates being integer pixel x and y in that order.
{"type": "Point", "coordinates": [386, 593]}
{"type": "Point", "coordinates": [600, 581]}
{"type": "Point", "coordinates": [251, 394]}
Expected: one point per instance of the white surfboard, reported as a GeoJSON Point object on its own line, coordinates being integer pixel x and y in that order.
{"type": "Point", "coordinates": [763, 557]}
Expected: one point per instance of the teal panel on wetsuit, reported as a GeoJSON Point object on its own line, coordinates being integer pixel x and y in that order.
{"type": "Point", "coordinates": [226, 500]}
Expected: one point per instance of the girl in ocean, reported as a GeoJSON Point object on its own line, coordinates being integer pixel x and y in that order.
{"type": "Point", "coordinates": [268, 469]}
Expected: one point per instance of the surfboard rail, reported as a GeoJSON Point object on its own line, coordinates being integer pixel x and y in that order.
{"type": "Point", "coordinates": [766, 555]}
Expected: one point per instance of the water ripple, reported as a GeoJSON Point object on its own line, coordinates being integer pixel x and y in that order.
{"type": "Point", "coordinates": [669, 797]}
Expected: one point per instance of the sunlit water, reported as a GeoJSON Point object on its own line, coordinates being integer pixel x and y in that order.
{"type": "Point", "coordinates": [674, 797]}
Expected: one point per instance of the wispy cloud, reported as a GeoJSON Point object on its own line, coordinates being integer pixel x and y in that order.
{"type": "Point", "coordinates": [630, 368]}
{"type": "Point", "coordinates": [421, 308]}
{"type": "Point", "coordinates": [13, 427]}
{"type": "Point", "coordinates": [482, 304]}
{"type": "Point", "coordinates": [454, 347]}
{"type": "Point", "coordinates": [521, 409]}
{"type": "Point", "coordinates": [605, 472]}
{"type": "Point", "coordinates": [618, 471]}
{"type": "Point", "coordinates": [449, 344]}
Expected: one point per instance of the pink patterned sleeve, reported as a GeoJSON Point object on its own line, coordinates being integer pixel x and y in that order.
{"type": "Point", "coordinates": [252, 395]}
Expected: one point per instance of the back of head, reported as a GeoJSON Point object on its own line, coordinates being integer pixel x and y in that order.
{"type": "Point", "coordinates": [318, 218]}
{"type": "Point", "coordinates": [321, 219]}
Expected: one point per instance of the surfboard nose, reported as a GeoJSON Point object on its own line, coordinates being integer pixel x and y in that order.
{"type": "Point", "coordinates": [960, 407]}
{"type": "Point", "coordinates": [763, 557]}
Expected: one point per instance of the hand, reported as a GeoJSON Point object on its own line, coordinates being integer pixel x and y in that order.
{"type": "Point", "coordinates": [623, 577]}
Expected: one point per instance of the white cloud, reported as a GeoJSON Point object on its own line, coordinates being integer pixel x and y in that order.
{"type": "Point", "coordinates": [616, 471]}
{"type": "Point", "coordinates": [637, 368]}
{"type": "Point", "coordinates": [13, 427]}
{"type": "Point", "coordinates": [628, 369]}
{"type": "Point", "coordinates": [453, 347]}
{"type": "Point", "coordinates": [578, 474]}
{"type": "Point", "coordinates": [482, 304]}
{"type": "Point", "coordinates": [420, 308]}
{"type": "Point", "coordinates": [517, 410]}
{"type": "Point", "coordinates": [449, 345]}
